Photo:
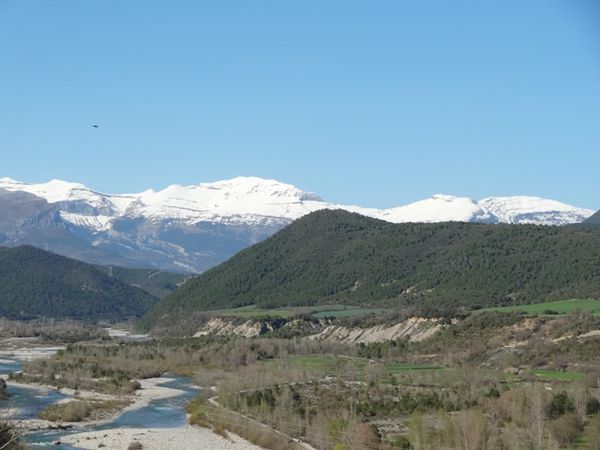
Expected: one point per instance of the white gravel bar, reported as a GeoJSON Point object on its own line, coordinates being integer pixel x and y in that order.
{"type": "Point", "coordinates": [185, 437]}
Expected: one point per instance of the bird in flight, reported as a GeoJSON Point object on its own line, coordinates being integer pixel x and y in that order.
{"type": "Point", "coordinates": [94, 126]}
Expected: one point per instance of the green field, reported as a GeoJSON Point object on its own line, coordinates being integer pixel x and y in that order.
{"type": "Point", "coordinates": [321, 365]}
{"type": "Point", "coordinates": [557, 375]}
{"type": "Point", "coordinates": [349, 312]}
{"type": "Point", "coordinates": [338, 311]}
{"type": "Point", "coordinates": [316, 363]}
{"type": "Point", "coordinates": [401, 368]}
{"type": "Point", "coordinates": [325, 364]}
{"type": "Point", "coordinates": [253, 312]}
{"type": "Point", "coordinates": [557, 307]}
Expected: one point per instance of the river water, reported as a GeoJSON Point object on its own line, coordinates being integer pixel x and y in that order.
{"type": "Point", "coordinates": [27, 403]}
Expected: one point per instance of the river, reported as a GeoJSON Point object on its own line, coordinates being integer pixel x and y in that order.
{"type": "Point", "coordinates": [28, 402]}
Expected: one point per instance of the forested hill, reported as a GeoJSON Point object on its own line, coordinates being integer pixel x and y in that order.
{"type": "Point", "coordinates": [594, 220]}
{"type": "Point", "coordinates": [340, 257]}
{"type": "Point", "coordinates": [36, 283]}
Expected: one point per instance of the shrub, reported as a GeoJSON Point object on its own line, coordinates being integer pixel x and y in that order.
{"type": "Point", "coordinates": [3, 392]}
{"type": "Point", "coordinates": [566, 429]}
{"type": "Point", "coordinates": [560, 405]}
{"type": "Point", "coordinates": [9, 439]}
{"type": "Point", "coordinates": [80, 410]}
{"type": "Point", "coordinates": [592, 406]}
{"type": "Point", "coordinates": [402, 443]}
{"type": "Point", "coordinates": [74, 411]}
{"type": "Point", "coordinates": [593, 433]}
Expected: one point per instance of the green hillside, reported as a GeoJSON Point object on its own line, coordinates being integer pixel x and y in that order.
{"type": "Point", "coordinates": [35, 283]}
{"type": "Point", "coordinates": [333, 257]}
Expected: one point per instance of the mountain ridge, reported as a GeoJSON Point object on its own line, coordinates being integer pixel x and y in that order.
{"type": "Point", "coordinates": [257, 198]}
{"type": "Point", "coordinates": [192, 228]}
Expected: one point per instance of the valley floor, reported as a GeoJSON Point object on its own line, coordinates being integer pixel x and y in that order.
{"type": "Point", "coordinates": [117, 437]}
{"type": "Point", "coordinates": [487, 380]}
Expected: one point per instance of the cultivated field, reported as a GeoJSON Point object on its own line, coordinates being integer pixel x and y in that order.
{"type": "Point", "coordinates": [556, 307]}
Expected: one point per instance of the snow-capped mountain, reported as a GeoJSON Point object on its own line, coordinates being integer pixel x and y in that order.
{"type": "Point", "coordinates": [194, 227]}
{"type": "Point", "coordinates": [534, 210]}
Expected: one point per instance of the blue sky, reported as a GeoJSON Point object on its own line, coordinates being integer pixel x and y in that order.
{"type": "Point", "coordinates": [376, 103]}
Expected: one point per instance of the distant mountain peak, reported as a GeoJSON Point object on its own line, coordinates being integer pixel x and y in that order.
{"type": "Point", "coordinates": [254, 186]}
{"type": "Point", "coordinates": [534, 210]}
{"type": "Point", "coordinates": [192, 227]}
{"type": "Point", "coordinates": [252, 199]}
{"type": "Point", "coordinates": [447, 198]}
{"type": "Point", "coordinates": [53, 191]}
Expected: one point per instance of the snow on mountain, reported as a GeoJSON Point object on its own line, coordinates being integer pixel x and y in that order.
{"type": "Point", "coordinates": [534, 210]}
{"type": "Point", "coordinates": [439, 208]}
{"type": "Point", "coordinates": [98, 223]}
{"type": "Point", "coordinates": [54, 191]}
{"type": "Point", "coordinates": [193, 228]}
{"type": "Point", "coordinates": [73, 197]}
{"type": "Point", "coordinates": [252, 200]}
{"type": "Point", "coordinates": [249, 197]}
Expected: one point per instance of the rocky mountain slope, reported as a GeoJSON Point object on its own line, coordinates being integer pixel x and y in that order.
{"type": "Point", "coordinates": [192, 228]}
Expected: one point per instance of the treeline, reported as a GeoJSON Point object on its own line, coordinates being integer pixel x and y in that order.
{"type": "Point", "coordinates": [115, 367]}
{"type": "Point", "coordinates": [338, 257]}
{"type": "Point", "coordinates": [52, 330]}
{"type": "Point", "coordinates": [470, 411]}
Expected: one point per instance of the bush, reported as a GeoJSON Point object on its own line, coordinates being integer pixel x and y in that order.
{"type": "Point", "coordinates": [9, 440]}
{"type": "Point", "coordinates": [80, 410]}
{"type": "Point", "coordinates": [3, 392]}
{"type": "Point", "coordinates": [566, 429]}
{"type": "Point", "coordinates": [74, 411]}
{"type": "Point", "coordinates": [592, 406]}
{"type": "Point", "coordinates": [402, 443]}
{"type": "Point", "coordinates": [560, 405]}
{"type": "Point", "coordinates": [593, 434]}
